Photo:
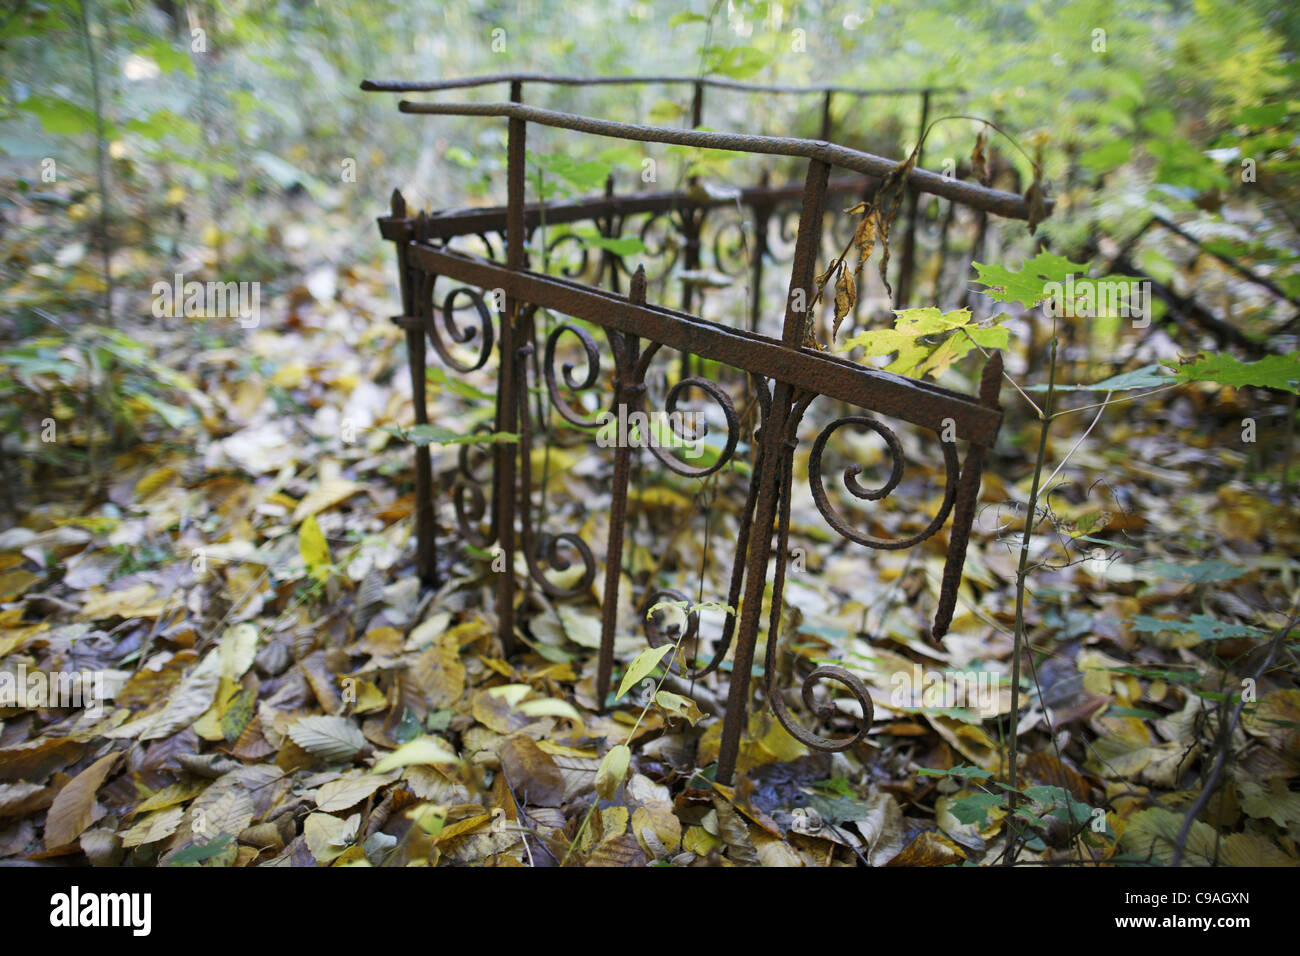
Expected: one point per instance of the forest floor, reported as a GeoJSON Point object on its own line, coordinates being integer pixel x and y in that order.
{"type": "Point", "coordinates": [281, 692]}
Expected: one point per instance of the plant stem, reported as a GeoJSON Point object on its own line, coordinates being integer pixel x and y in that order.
{"type": "Point", "coordinates": [631, 734]}
{"type": "Point", "coordinates": [101, 161]}
{"type": "Point", "coordinates": [1287, 445]}
{"type": "Point", "coordinates": [1022, 573]}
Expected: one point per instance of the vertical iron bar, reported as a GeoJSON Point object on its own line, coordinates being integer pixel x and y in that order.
{"type": "Point", "coordinates": [609, 261]}
{"type": "Point", "coordinates": [908, 261]}
{"type": "Point", "coordinates": [826, 116]}
{"type": "Point", "coordinates": [798, 310]}
{"type": "Point", "coordinates": [507, 410]}
{"type": "Point", "coordinates": [692, 225]}
{"type": "Point", "coordinates": [807, 245]}
{"type": "Point", "coordinates": [963, 513]}
{"type": "Point", "coordinates": [625, 402]}
{"type": "Point", "coordinates": [762, 213]}
{"type": "Point", "coordinates": [426, 563]}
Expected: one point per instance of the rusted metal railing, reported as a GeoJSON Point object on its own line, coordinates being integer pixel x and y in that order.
{"type": "Point", "coordinates": [784, 376]}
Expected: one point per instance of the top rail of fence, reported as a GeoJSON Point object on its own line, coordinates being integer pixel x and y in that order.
{"type": "Point", "coordinates": [430, 86]}
{"type": "Point", "coordinates": [997, 201]}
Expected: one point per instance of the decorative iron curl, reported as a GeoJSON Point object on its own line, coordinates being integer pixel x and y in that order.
{"type": "Point", "coordinates": [588, 381]}
{"type": "Point", "coordinates": [567, 270]}
{"type": "Point", "coordinates": [732, 255]}
{"type": "Point", "coordinates": [471, 507]}
{"type": "Point", "coordinates": [468, 498]}
{"type": "Point", "coordinates": [896, 474]}
{"type": "Point", "coordinates": [826, 710]}
{"type": "Point", "coordinates": [462, 458]}
{"type": "Point", "coordinates": [656, 637]}
{"type": "Point", "coordinates": [668, 247]}
{"type": "Point", "coordinates": [544, 547]}
{"type": "Point", "coordinates": [548, 550]}
{"type": "Point", "coordinates": [487, 244]}
{"type": "Point", "coordinates": [787, 227]}
{"type": "Point", "coordinates": [715, 392]}
{"type": "Point", "coordinates": [460, 336]}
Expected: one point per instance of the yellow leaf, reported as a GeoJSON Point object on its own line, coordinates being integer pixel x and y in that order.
{"type": "Point", "coordinates": [422, 750]}
{"type": "Point", "coordinates": [136, 602]}
{"type": "Point", "coordinates": [156, 480]}
{"type": "Point", "coordinates": [154, 827]}
{"type": "Point", "coordinates": [330, 493]}
{"type": "Point", "coordinates": [15, 583]}
{"type": "Point", "coordinates": [314, 549]}
{"type": "Point", "coordinates": [612, 771]}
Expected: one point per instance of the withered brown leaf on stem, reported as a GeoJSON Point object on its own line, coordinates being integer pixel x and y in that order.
{"type": "Point", "coordinates": [846, 296]}
{"type": "Point", "coordinates": [1036, 194]}
{"type": "Point", "coordinates": [979, 159]}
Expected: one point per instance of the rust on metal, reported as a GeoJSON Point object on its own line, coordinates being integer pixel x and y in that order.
{"type": "Point", "coordinates": [785, 374]}
{"type": "Point", "coordinates": [1005, 204]}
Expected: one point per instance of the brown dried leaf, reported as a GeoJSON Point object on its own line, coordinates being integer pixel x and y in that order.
{"type": "Point", "coordinates": [36, 760]}
{"type": "Point", "coordinates": [979, 159]}
{"type": "Point", "coordinates": [439, 672]}
{"type": "Point", "coordinates": [734, 832]}
{"type": "Point", "coordinates": [20, 799]}
{"type": "Point", "coordinates": [846, 297]}
{"type": "Point", "coordinates": [73, 808]}
{"type": "Point", "coordinates": [153, 827]}
{"type": "Point", "coordinates": [930, 848]}
{"type": "Point", "coordinates": [531, 772]}
{"type": "Point", "coordinates": [620, 850]}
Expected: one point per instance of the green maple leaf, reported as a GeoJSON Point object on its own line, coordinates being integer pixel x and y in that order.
{"type": "Point", "coordinates": [1027, 285]}
{"type": "Point", "coordinates": [928, 341]}
{"type": "Point", "coordinates": [975, 807]}
{"type": "Point", "coordinates": [1276, 371]}
{"type": "Point", "coordinates": [437, 435]}
{"type": "Point", "coordinates": [1202, 626]}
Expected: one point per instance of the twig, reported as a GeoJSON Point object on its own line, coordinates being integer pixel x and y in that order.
{"type": "Point", "coordinates": [1225, 738]}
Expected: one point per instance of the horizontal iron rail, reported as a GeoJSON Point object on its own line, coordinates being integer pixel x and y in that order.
{"type": "Point", "coordinates": [464, 222]}
{"type": "Point", "coordinates": [909, 400]}
{"type": "Point", "coordinates": [996, 201]}
{"type": "Point", "coordinates": [430, 86]}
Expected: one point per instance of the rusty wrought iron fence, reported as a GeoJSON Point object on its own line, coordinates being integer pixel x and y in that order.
{"type": "Point", "coordinates": [764, 204]}
{"type": "Point", "coordinates": [781, 375]}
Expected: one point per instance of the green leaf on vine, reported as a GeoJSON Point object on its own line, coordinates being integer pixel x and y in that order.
{"type": "Point", "coordinates": [437, 435]}
{"type": "Point", "coordinates": [1276, 371]}
{"type": "Point", "coordinates": [928, 341]}
{"type": "Point", "coordinates": [1029, 285]}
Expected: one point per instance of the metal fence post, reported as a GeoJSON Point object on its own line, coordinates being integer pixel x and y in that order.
{"type": "Point", "coordinates": [798, 310]}
{"type": "Point", "coordinates": [907, 263]}
{"type": "Point", "coordinates": [507, 411]}
{"type": "Point", "coordinates": [413, 323]}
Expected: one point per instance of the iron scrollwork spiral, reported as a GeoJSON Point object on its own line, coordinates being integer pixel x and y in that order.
{"type": "Point", "coordinates": [823, 710]}
{"type": "Point", "coordinates": [548, 549]}
{"type": "Point", "coordinates": [545, 547]}
{"type": "Point", "coordinates": [851, 484]}
{"type": "Point", "coordinates": [786, 221]}
{"type": "Point", "coordinates": [570, 269]}
{"type": "Point", "coordinates": [468, 498]}
{"type": "Point", "coordinates": [826, 710]}
{"type": "Point", "coordinates": [459, 335]}
{"type": "Point", "coordinates": [671, 414]}
{"type": "Point", "coordinates": [730, 242]}
{"type": "Point", "coordinates": [657, 636]}
{"type": "Point", "coordinates": [588, 381]}
{"type": "Point", "coordinates": [663, 249]}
